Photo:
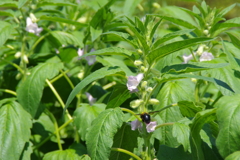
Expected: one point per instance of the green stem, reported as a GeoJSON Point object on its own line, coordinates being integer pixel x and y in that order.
{"type": "Point", "coordinates": [164, 124]}
{"type": "Point", "coordinates": [46, 139]}
{"type": "Point", "coordinates": [14, 65]}
{"type": "Point", "coordinates": [126, 152]}
{"type": "Point", "coordinates": [131, 112]}
{"type": "Point", "coordinates": [56, 129]}
{"type": "Point", "coordinates": [169, 106]}
{"type": "Point", "coordinates": [67, 78]}
{"type": "Point", "coordinates": [58, 97]}
{"type": "Point", "coordinates": [9, 91]}
{"type": "Point", "coordinates": [38, 41]}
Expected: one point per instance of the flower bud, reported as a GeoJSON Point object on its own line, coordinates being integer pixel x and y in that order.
{"type": "Point", "coordinates": [156, 5]}
{"type": "Point", "coordinates": [140, 51]}
{"type": "Point", "coordinates": [25, 59]}
{"type": "Point", "coordinates": [200, 49]}
{"type": "Point", "coordinates": [136, 103]}
{"type": "Point", "coordinates": [17, 55]}
{"type": "Point", "coordinates": [143, 69]}
{"type": "Point", "coordinates": [144, 84]}
{"type": "Point", "coordinates": [153, 101]}
{"type": "Point", "coordinates": [205, 32]}
{"type": "Point", "coordinates": [149, 89]}
{"type": "Point", "coordinates": [194, 80]}
{"type": "Point", "coordinates": [137, 63]}
{"type": "Point", "coordinates": [33, 18]}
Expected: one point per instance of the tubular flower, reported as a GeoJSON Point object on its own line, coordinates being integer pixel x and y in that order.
{"type": "Point", "coordinates": [33, 27]}
{"type": "Point", "coordinates": [138, 125]}
{"type": "Point", "coordinates": [133, 82]}
{"type": "Point", "coordinates": [90, 98]}
{"type": "Point", "coordinates": [151, 126]}
{"type": "Point", "coordinates": [90, 59]}
{"type": "Point", "coordinates": [206, 56]}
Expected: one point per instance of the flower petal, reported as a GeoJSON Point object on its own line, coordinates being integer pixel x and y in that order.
{"type": "Point", "coordinates": [151, 126]}
{"type": "Point", "coordinates": [136, 125]}
{"type": "Point", "coordinates": [206, 56]}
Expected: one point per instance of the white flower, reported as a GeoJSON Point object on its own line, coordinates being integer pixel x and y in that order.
{"type": "Point", "coordinates": [133, 82]}
{"type": "Point", "coordinates": [80, 52]}
{"type": "Point", "coordinates": [206, 56]}
{"type": "Point", "coordinates": [188, 58]}
{"type": "Point", "coordinates": [90, 98]}
{"type": "Point", "coordinates": [151, 126]}
{"type": "Point", "coordinates": [33, 27]}
{"type": "Point", "coordinates": [138, 125]}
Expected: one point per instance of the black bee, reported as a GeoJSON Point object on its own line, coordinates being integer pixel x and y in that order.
{"type": "Point", "coordinates": [146, 118]}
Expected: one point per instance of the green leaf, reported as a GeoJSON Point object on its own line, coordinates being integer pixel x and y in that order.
{"type": "Point", "coordinates": [95, 33]}
{"type": "Point", "coordinates": [68, 154]}
{"type": "Point", "coordinates": [30, 90]}
{"type": "Point", "coordinates": [27, 151]}
{"type": "Point", "coordinates": [173, 47]}
{"type": "Point", "coordinates": [226, 10]}
{"type": "Point", "coordinates": [172, 92]}
{"type": "Point", "coordinates": [126, 139]}
{"type": "Point", "coordinates": [129, 7]}
{"type": "Point", "coordinates": [100, 135]}
{"type": "Point", "coordinates": [63, 38]}
{"type": "Point", "coordinates": [7, 3]}
{"type": "Point", "coordinates": [115, 61]}
{"type": "Point", "coordinates": [21, 3]}
{"type": "Point", "coordinates": [192, 67]}
{"type": "Point", "coordinates": [181, 22]}
{"type": "Point", "coordinates": [123, 36]}
{"type": "Point", "coordinates": [55, 3]}
{"type": "Point", "coordinates": [15, 124]}
{"type": "Point", "coordinates": [61, 20]}
{"type": "Point", "coordinates": [170, 36]}
{"type": "Point", "coordinates": [181, 132]}
{"type": "Point", "coordinates": [195, 15]}
{"type": "Point", "coordinates": [235, 40]}
{"type": "Point", "coordinates": [188, 109]}
{"type": "Point", "coordinates": [84, 115]}
{"type": "Point", "coordinates": [233, 156]}
{"type": "Point", "coordinates": [119, 95]}
{"type": "Point", "coordinates": [110, 51]}
{"type": "Point", "coordinates": [103, 72]}
{"type": "Point", "coordinates": [219, 83]}
{"type": "Point", "coordinates": [79, 148]}
{"type": "Point", "coordinates": [228, 113]}
{"type": "Point", "coordinates": [199, 120]}
{"type": "Point", "coordinates": [5, 32]}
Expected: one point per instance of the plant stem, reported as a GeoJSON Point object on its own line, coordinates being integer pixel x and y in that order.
{"type": "Point", "coordinates": [9, 91]}
{"type": "Point", "coordinates": [38, 41]}
{"type": "Point", "coordinates": [58, 97]}
{"type": "Point", "coordinates": [129, 111]}
{"type": "Point", "coordinates": [46, 139]}
{"type": "Point", "coordinates": [126, 152]}
{"type": "Point", "coordinates": [56, 128]}
{"type": "Point", "coordinates": [164, 124]}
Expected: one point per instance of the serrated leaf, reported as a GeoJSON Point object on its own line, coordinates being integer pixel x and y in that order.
{"type": "Point", "coordinates": [62, 20]}
{"type": "Point", "coordinates": [119, 95]}
{"type": "Point", "coordinates": [172, 92]}
{"type": "Point", "coordinates": [170, 36]}
{"type": "Point", "coordinates": [5, 31]}
{"type": "Point", "coordinates": [199, 120]}
{"type": "Point", "coordinates": [106, 71]}
{"type": "Point", "coordinates": [100, 135]}
{"type": "Point", "coordinates": [83, 117]}
{"type": "Point", "coordinates": [181, 132]}
{"type": "Point", "coordinates": [228, 113]}
{"type": "Point", "coordinates": [15, 124]}
{"type": "Point", "coordinates": [30, 90]}
{"type": "Point", "coordinates": [68, 154]}
{"type": "Point", "coordinates": [21, 3]}
{"type": "Point", "coordinates": [110, 51]}
{"type": "Point", "coordinates": [173, 47]}
{"type": "Point", "coordinates": [192, 67]}
{"type": "Point", "coordinates": [126, 139]}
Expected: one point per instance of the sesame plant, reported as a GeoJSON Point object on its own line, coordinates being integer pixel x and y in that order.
{"type": "Point", "coordinates": [118, 80]}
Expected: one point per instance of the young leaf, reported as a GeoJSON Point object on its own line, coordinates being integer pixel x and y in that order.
{"type": "Point", "coordinates": [233, 156]}
{"type": "Point", "coordinates": [84, 115]}
{"type": "Point", "coordinates": [5, 31]}
{"type": "Point", "coordinates": [126, 139]}
{"type": "Point", "coordinates": [199, 120]}
{"type": "Point", "coordinates": [188, 109]}
{"type": "Point", "coordinates": [106, 71]}
{"type": "Point", "coordinates": [30, 90]}
{"type": "Point", "coordinates": [181, 132]}
{"type": "Point", "coordinates": [119, 95]}
{"type": "Point", "coordinates": [173, 47]}
{"type": "Point", "coordinates": [228, 113]}
{"type": "Point", "coordinates": [235, 40]}
{"type": "Point", "coordinates": [68, 154]}
{"type": "Point", "coordinates": [226, 10]}
{"type": "Point", "coordinates": [15, 124]}
{"type": "Point", "coordinates": [100, 135]}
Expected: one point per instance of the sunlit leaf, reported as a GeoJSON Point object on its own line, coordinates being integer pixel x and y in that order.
{"type": "Point", "coordinates": [100, 135]}
{"type": "Point", "coordinates": [68, 154]}
{"type": "Point", "coordinates": [6, 30]}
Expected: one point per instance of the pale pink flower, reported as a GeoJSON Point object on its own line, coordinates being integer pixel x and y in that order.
{"type": "Point", "coordinates": [90, 98]}
{"type": "Point", "coordinates": [33, 27]}
{"type": "Point", "coordinates": [206, 56]}
{"type": "Point", "coordinates": [133, 82]}
{"type": "Point", "coordinates": [151, 126]}
{"type": "Point", "coordinates": [138, 125]}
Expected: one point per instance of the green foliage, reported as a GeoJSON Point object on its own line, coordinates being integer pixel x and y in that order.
{"type": "Point", "coordinates": [118, 80]}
